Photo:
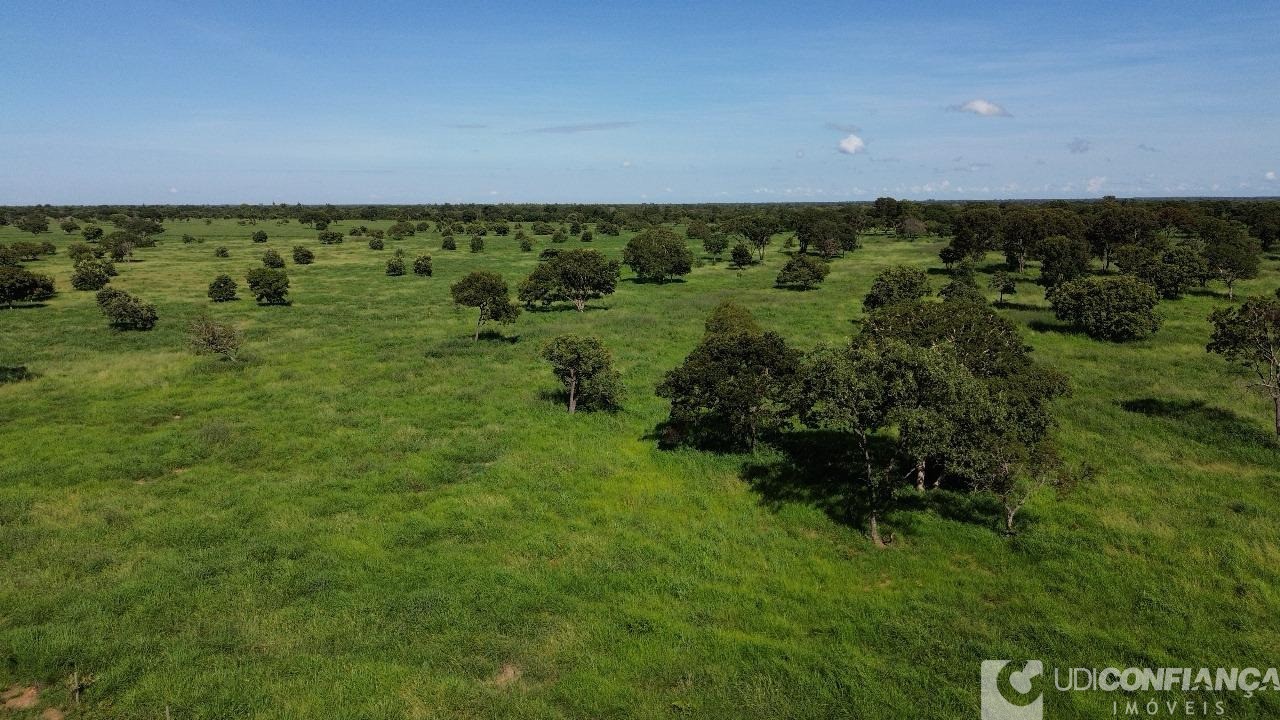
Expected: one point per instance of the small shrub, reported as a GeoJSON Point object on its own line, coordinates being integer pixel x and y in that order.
{"type": "Point", "coordinates": [587, 236]}
{"type": "Point", "coordinates": [269, 286]}
{"type": "Point", "coordinates": [422, 265]}
{"type": "Point", "coordinates": [741, 256]}
{"type": "Point", "coordinates": [188, 239]}
{"type": "Point", "coordinates": [89, 275]}
{"type": "Point", "coordinates": [125, 311]}
{"type": "Point", "coordinates": [477, 244]}
{"type": "Point", "coordinates": [260, 236]}
{"type": "Point", "coordinates": [448, 243]}
{"type": "Point", "coordinates": [329, 237]}
{"type": "Point", "coordinates": [209, 337]}
{"type": "Point", "coordinates": [21, 285]}
{"type": "Point", "coordinates": [526, 244]}
{"type": "Point", "coordinates": [222, 289]}
{"type": "Point", "coordinates": [272, 259]}
{"type": "Point", "coordinates": [395, 266]}
{"type": "Point", "coordinates": [222, 252]}
{"type": "Point", "coordinates": [303, 255]}
{"type": "Point", "coordinates": [376, 243]}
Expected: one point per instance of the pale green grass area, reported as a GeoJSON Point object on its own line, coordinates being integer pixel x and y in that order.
{"type": "Point", "coordinates": [372, 515]}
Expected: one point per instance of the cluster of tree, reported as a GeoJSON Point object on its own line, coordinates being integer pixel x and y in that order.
{"type": "Point", "coordinates": [125, 311]}
{"type": "Point", "coordinates": [574, 275]}
{"type": "Point", "coordinates": [19, 285]}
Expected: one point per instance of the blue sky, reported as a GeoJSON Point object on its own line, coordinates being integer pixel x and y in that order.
{"type": "Point", "coordinates": [343, 102]}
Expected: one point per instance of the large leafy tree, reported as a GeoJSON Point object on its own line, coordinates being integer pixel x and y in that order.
{"type": "Point", "coordinates": [1232, 255]}
{"type": "Point", "coordinates": [657, 254]}
{"type": "Point", "coordinates": [1116, 308]}
{"type": "Point", "coordinates": [585, 368]}
{"type": "Point", "coordinates": [896, 284]}
{"type": "Point", "coordinates": [576, 275]}
{"type": "Point", "coordinates": [757, 229]}
{"type": "Point", "coordinates": [487, 292]}
{"type": "Point", "coordinates": [1062, 259]}
{"type": "Point", "coordinates": [1249, 336]}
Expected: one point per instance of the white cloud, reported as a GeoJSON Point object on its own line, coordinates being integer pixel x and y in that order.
{"type": "Point", "coordinates": [852, 145]}
{"type": "Point", "coordinates": [985, 108]}
{"type": "Point", "coordinates": [1270, 175]}
{"type": "Point", "coordinates": [626, 163]}
{"type": "Point", "coordinates": [1095, 184]}
{"type": "Point", "coordinates": [174, 190]}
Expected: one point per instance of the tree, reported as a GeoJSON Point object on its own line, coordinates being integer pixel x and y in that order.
{"type": "Point", "coordinates": [477, 243]}
{"type": "Point", "coordinates": [896, 284]}
{"type": "Point", "coordinates": [1004, 284]}
{"type": "Point", "coordinates": [487, 292]}
{"type": "Point", "coordinates": [1230, 252]}
{"type": "Point", "coordinates": [376, 243]}
{"type": "Point", "coordinates": [34, 223]}
{"type": "Point", "coordinates": [302, 255]}
{"type": "Point", "coordinates": [69, 226]}
{"type": "Point", "coordinates": [802, 272]}
{"type": "Point", "coordinates": [526, 244]}
{"type": "Point", "coordinates": [222, 252]}
{"type": "Point", "coordinates": [329, 237]}
{"type": "Point", "coordinates": [585, 368]}
{"type": "Point", "coordinates": [698, 230]}
{"type": "Point", "coordinates": [910, 226]}
{"type": "Point", "coordinates": [949, 256]}
{"type": "Point", "coordinates": [714, 244]}
{"type": "Point", "coordinates": [27, 250]}
{"type": "Point", "coordinates": [399, 230]}
{"type": "Point", "coordinates": [1062, 259]}
{"type": "Point", "coordinates": [422, 265]}
{"type": "Point", "coordinates": [270, 286]}
{"type": "Point", "coordinates": [730, 389]}
{"type": "Point", "coordinates": [91, 233]}
{"type": "Point", "coordinates": [757, 230]}
{"type": "Point", "coordinates": [395, 266]}
{"type": "Point", "coordinates": [586, 236]}
{"type": "Point", "coordinates": [1117, 224]}
{"type": "Point", "coordinates": [741, 256]}
{"type": "Point", "coordinates": [975, 231]}
{"type": "Point", "coordinates": [577, 275]}
{"type": "Point", "coordinates": [1171, 271]}
{"type": "Point", "coordinates": [272, 259]}
{"type": "Point", "coordinates": [1249, 336]}
{"type": "Point", "coordinates": [657, 254]}
{"type": "Point", "coordinates": [89, 275]}
{"type": "Point", "coordinates": [259, 236]}
{"type": "Point", "coordinates": [1116, 308]}
{"type": "Point", "coordinates": [222, 289]}
{"type": "Point", "coordinates": [1022, 232]}
{"type": "Point", "coordinates": [125, 311]}
{"type": "Point", "coordinates": [448, 243]}
{"type": "Point", "coordinates": [209, 337]}
{"type": "Point", "coordinates": [18, 284]}
{"type": "Point", "coordinates": [79, 252]}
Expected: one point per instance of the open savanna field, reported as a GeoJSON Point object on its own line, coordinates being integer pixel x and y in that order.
{"type": "Point", "coordinates": [371, 515]}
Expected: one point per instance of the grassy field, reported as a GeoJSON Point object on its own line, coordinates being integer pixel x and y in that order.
{"type": "Point", "coordinates": [373, 516]}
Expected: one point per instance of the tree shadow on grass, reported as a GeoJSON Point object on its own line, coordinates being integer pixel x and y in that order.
{"type": "Point", "coordinates": [1200, 421]}
{"type": "Point", "coordinates": [15, 374]}
{"type": "Point", "coordinates": [498, 337]}
{"type": "Point", "coordinates": [646, 281]}
{"type": "Point", "coordinates": [563, 307]}
{"type": "Point", "coordinates": [1043, 326]}
{"type": "Point", "coordinates": [24, 306]}
{"type": "Point", "coordinates": [1007, 305]}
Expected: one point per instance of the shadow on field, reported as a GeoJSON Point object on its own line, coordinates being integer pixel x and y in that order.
{"type": "Point", "coordinates": [1202, 422]}
{"type": "Point", "coordinates": [818, 469]}
{"type": "Point", "coordinates": [14, 374]}
{"type": "Point", "coordinates": [1042, 326]}
{"type": "Point", "coordinates": [1006, 305]}
{"type": "Point", "coordinates": [497, 337]}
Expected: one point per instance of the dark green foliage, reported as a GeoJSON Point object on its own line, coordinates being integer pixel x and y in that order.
{"type": "Point", "coordinates": [91, 233]}
{"type": "Point", "coordinates": [585, 369]}
{"type": "Point", "coordinates": [730, 389]}
{"type": "Point", "coordinates": [756, 229]}
{"type": "Point", "coordinates": [376, 243]}
{"type": "Point", "coordinates": [9, 257]}
{"type": "Point", "coordinates": [1230, 252]}
{"type": "Point", "coordinates": [222, 252]}
{"type": "Point", "coordinates": [1115, 308]}
{"type": "Point", "coordinates": [802, 272]}
{"type": "Point", "coordinates": [542, 228]}
{"type": "Point", "coordinates": [896, 284]}
{"type": "Point", "coordinates": [1171, 271]}
{"type": "Point", "coordinates": [741, 256]}
{"type": "Point", "coordinates": [259, 236]}
{"type": "Point", "coordinates": [487, 292]}
{"type": "Point", "coordinates": [559, 237]}
{"type": "Point", "coordinates": [715, 244]}
{"type": "Point", "coordinates": [269, 286]}
{"type": "Point", "coordinates": [477, 243]}
{"type": "Point", "coordinates": [69, 226]}
{"type": "Point", "coordinates": [18, 285]}
{"type": "Point", "coordinates": [119, 245]}
{"type": "Point", "coordinates": [27, 250]}
{"type": "Point", "coordinates": [526, 244]}
{"type": "Point", "coordinates": [222, 289]}
{"type": "Point", "coordinates": [302, 255]}
{"type": "Point", "coordinates": [34, 223]}
{"type": "Point", "coordinates": [189, 239]}
{"type": "Point", "coordinates": [577, 275]}
{"type": "Point", "coordinates": [272, 259]}
{"type": "Point", "coordinates": [400, 230]}
{"type": "Point", "coordinates": [1062, 259]}
{"type": "Point", "coordinates": [329, 237]}
{"type": "Point", "coordinates": [586, 236]}
{"type": "Point", "coordinates": [1249, 337]}
{"type": "Point", "coordinates": [729, 316]}
{"type": "Point", "coordinates": [657, 254]}
{"type": "Point", "coordinates": [1004, 284]}
{"type": "Point", "coordinates": [960, 290]}
{"type": "Point", "coordinates": [608, 228]}
{"type": "Point", "coordinates": [125, 311]}
{"type": "Point", "coordinates": [422, 265]}
{"type": "Point", "coordinates": [448, 243]}
{"type": "Point", "coordinates": [950, 255]}
{"type": "Point", "coordinates": [90, 274]}
{"type": "Point", "coordinates": [395, 266]}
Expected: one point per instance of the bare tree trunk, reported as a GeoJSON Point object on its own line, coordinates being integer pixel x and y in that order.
{"type": "Point", "coordinates": [1009, 512]}
{"type": "Point", "coordinates": [1276, 401]}
{"type": "Point", "coordinates": [920, 465]}
{"type": "Point", "coordinates": [573, 391]}
{"type": "Point", "coordinates": [478, 321]}
{"type": "Point", "coordinates": [874, 528]}
{"type": "Point", "coordinates": [579, 303]}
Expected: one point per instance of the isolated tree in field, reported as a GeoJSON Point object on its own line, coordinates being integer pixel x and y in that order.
{"type": "Point", "coordinates": [272, 259]}
{"type": "Point", "coordinates": [741, 256]}
{"type": "Point", "coordinates": [222, 252]}
{"type": "Point", "coordinates": [714, 244]}
{"type": "Point", "coordinates": [585, 368]}
{"type": "Point", "coordinates": [1062, 259]}
{"type": "Point", "coordinates": [119, 245]}
{"type": "Point", "coordinates": [448, 243]}
{"type": "Point", "coordinates": [1014, 472]}
{"type": "Point", "coordinates": [27, 250]}
{"type": "Point", "coordinates": [559, 237]}
{"type": "Point", "coordinates": [329, 237]}
{"type": "Point", "coordinates": [477, 243]}
{"type": "Point", "coordinates": [34, 223]}
{"type": "Point", "coordinates": [730, 389]}
{"type": "Point", "coordinates": [400, 230]}
{"type": "Point", "coordinates": [1249, 336]}
{"type": "Point", "coordinates": [757, 230]}
{"type": "Point", "coordinates": [949, 256]}
{"type": "Point", "coordinates": [586, 236]}
{"type": "Point", "coordinates": [395, 266]}
{"type": "Point", "coordinates": [698, 230]}
{"type": "Point", "coordinates": [302, 255]}
{"type": "Point", "coordinates": [91, 233]}
{"type": "Point", "coordinates": [896, 284]}
{"type": "Point", "coordinates": [657, 254]}
{"type": "Point", "coordinates": [487, 292]}
{"type": "Point", "coordinates": [1232, 255]}
{"type": "Point", "coordinates": [125, 311]}
{"type": "Point", "coordinates": [90, 275]}
{"type": "Point", "coordinates": [577, 275]}
{"type": "Point", "coordinates": [270, 286]}
{"type": "Point", "coordinates": [79, 252]}
{"type": "Point", "coordinates": [69, 226]}
{"type": "Point", "coordinates": [222, 289]}
{"type": "Point", "coordinates": [1004, 284]}
{"type": "Point", "coordinates": [376, 243]}
{"type": "Point", "coordinates": [422, 265]}
{"type": "Point", "coordinates": [1116, 308]}
{"type": "Point", "coordinates": [526, 244]}
{"type": "Point", "coordinates": [802, 272]}
{"type": "Point", "coordinates": [259, 236]}
{"type": "Point", "coordinates": [210, 337]}
{"type": "Point", "coordinates": [19, 285]}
